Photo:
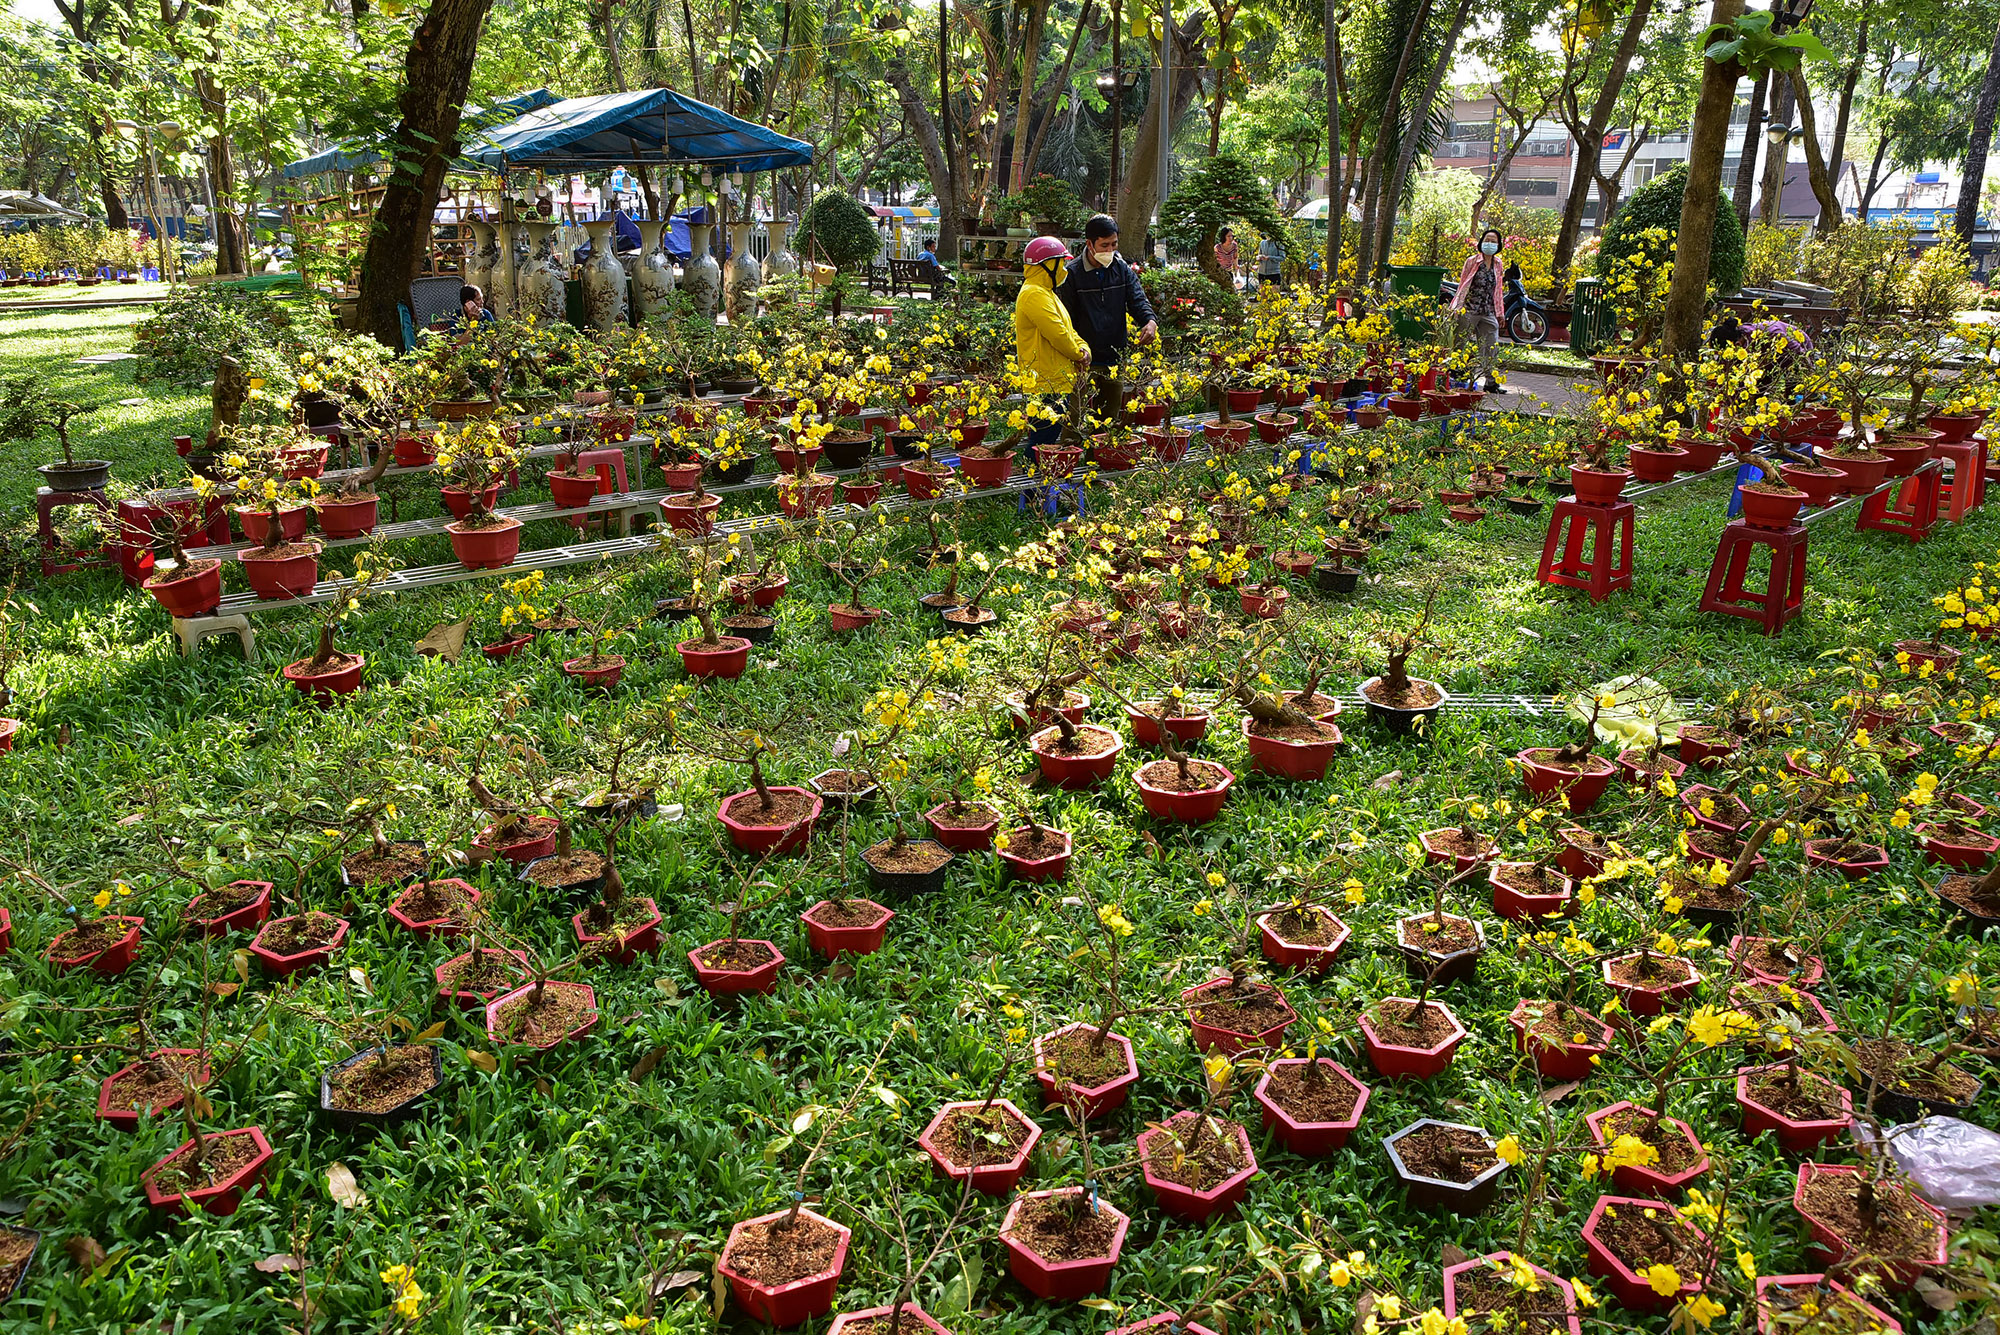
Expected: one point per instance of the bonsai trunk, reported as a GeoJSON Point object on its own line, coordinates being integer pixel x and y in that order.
{"type": "Point", "coordinates": [757, 781]}
{"type": "Point", "coordinates": [325, 652]}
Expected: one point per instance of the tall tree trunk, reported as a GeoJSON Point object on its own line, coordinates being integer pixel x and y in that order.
{"type": "Point", "coordinates": [1388, 121]}
{"type": "Point", "coordinates": [1590, 144]}
{"type": "Point", "coordinates": [946, 181]}
{"type": "Point", "coordinates": [230, 252]}
{"type": "Point", "coordinates": [1708, 140]}
{"type": "Point", "coordinates": [1865, 197]}
{"type": "Point", "coordinates": [1140, 186]}
{"type": "Point", "coordinates": [1816, 170]}
{"type": "Point", "coordinates": [1746, 160]}
{"type": "Point", "coordinates": [1024, 99]}
{"type": "Point", "coordinates": [1406, 152]}
{"type": "Point", "coordinates": [1771, 190]}
{"type": "Point", "coordinates": [694, 60]}
{"type": "Point", "coordinates": [1336, 196]}
{"type": "Point", "coordinates": [1836, 152]}
{"type": "Point", "coordinates": [1974, 182]}
{"type": "Point", "coordinates": [436, 73]}
{"type": "Point", "coordinates": [1057, 87]}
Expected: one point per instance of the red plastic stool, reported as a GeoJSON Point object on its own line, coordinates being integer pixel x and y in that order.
{"type": "Point", "coordinates": [138, 523]}
{"type": "Point", "coordinates": [1572, 524]}
{"type": "Point", "coordinates": [55, 557]}
{"type": "Point", "coordinates": [1784, 591]}
{"type": "Point", "coordinates": [1914, 512]}
{"type": "Point", "coordinates": [1967, 489]}
{"type": "Point", "coordinates": [607, 462]}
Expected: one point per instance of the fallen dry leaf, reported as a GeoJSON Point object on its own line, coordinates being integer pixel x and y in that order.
{"type": "Point", "coordinates": [1387, 781]}
{"type": "Point", "coordinates": [485, 1061]}
{"type": "Point", "coordinates": [1452, 1255]}
{"type": "Point", "coordinates": [446, 642]}
{"type": "Point", "coordinates": [280, 1261]}
{"type": "Point", "coordinates": [664, 1283]}
{"type": "Point", "coordinates": [1557, 1093]}
{"type": "Point", "coordinates": [344, 1189]}
{"type": "Point", "coordinates": [647, 1062]}
{"type": "Point", "coordinates": [85, 1252]}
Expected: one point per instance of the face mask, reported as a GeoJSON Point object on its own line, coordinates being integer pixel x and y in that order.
{"type": "Point", "coordinates": [1489, 247]}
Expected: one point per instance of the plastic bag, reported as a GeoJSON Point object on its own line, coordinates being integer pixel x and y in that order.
{"type": "Point", "coordinates": [1641, 713]}
{"type": "Point", "coordinates": [1955, 1164]}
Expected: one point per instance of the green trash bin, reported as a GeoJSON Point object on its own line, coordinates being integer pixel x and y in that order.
{"type": "Point", "coordinates": [1592, 320]}
{"type": "Point", "coordinates": [1410, 280]}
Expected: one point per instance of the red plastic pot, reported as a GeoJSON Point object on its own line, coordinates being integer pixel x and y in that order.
{"type": "Point", "coordinates": [792, 460]}
{"type": "Point", "coordinates": [489, 547]}
{"type": "Point", "coordinates": [1435, 851]}
{"type": "Point", "coordinates": [1954, 427]}
{"type": "Point", "coordinates": [1653, 998]}
{"type": "Point", "coordinates": [925, 482]}
{"type": "Point", "coordinates": [1702, 455]}
{"type": "Point", "coordinates": [1309, 959]}
{"type": "Point", "coordinates": [1042, 715]}
{"type": "Point", "coordinates": [987, 472]}
{"type": "Point", "coordinates": [1798, 1136]}
{"type": "Point", "coordinates": [293, 521]}
{"type": "Point", "coordinates": [685, 514]}
{"type": "Point", "coordinates": [1564, 1061]}
{"type": "Point", "coordinates": [1076, 772]}
{"type": "Point", "coordinates": [1634, 1177]}
{"type": "Point", "coordinates": [1407, 407]}
{"type": "Point", "coordinates": [281, 578]}
{"type": "Point", "coordinates": [1094, 1100]}
{"type": "Point", "coordinates": [220, 1198]}
{"type": "Point", "coordinates": [111, 961]}
{"type": "Point", "coordinates": [802, 501]}
{"type": "Point", "coordinates": [1633, 764]}
{"type": "Point", "coordinates": [1062, 1281]}
{"type": "Point", "coordinates": [1764, 509]}
{"type": "Point", "coordinates": [1291, 760]}
{"type": "Point", "coordinates": [861, 493]}
{"type": "Point", "coordinates": [602, 677]}
{"type": "Point", "coordinates": [1183, 1202]}
{"type": "Point", "coordinates": [1515, 904]}
{"type": "Point", "coordinates": [752, 838]}
{"type": "Point", "coordinates": [192, 594]}
{"type": "Point", "coordinates": [1151, 415]}
{"type": "Point", "coordinates": [440, 927]}
{"type": "Point", "coordinates": [1215, 1038]}
{"type": "Point", "coordinates": [283, 966]}
{"type": "Point", "coordinates": [993, 1179]}
{"type": "Point", "coordinates": [1243, 401]}
{"type": "Point", "coordinates": [127, 1119]}
{"type": "Point", "coordinates": [497, 1030]}
{"type": "Point", "coordinates": [1580, 861]}
{"type": "Point", "coordinates": [1811, 969]}
{"type": "Point", "coordinates": [1829, 1294]}
{"type": "Point", "coordinates": [1264, 603]}
{"type": "Point", "coordinates": [1050, 867]}
{"type": "Point", "coordinates": [1697, 752]}
{"type": "Point", "coordinates": [639, 938]}
{"type": "Point", "coordinates": [726, 658]}
{"type": "Point", "coordinates": [1625, 1284]}
{"type": "Point", "coordinates": [459, 501]}
{"type": "Point", "coordinates": [1113, 458]}
{"type": "Point", "coordinates": [1895, 1275]}
{"type": "Point", "coordinates": [414, 451]}
{"type": "Point", "coordinates": [680, 477]}
{"type": "Point", "coordinates": [348, 519]}
{"type": "Point", "coordinates": [1819, 854]}
{"type": "Point", "coordinates": [1863, 474]}
{"type": "Point", "coordinates": [1186, 728]}
{"type": "Point", "coordinates": [1968, 852]}
{"type": "Point", "coordinates": [1595, 486]}
{"type": "Point", "coordinates": [795, 1303]}
{"type": "Point", "coordinates": [1396, 1060]}
{"type": "Point", "coordinates": [507, 648]}
{"type": "Point", "coordinates": [1057, 460]}
{"type": "Point", "coordinates": [520, 852]}
{"type": "Point", "coordinates": [325, 687]}
{"type": "Point", "coordinates": [962, 838]}
{"type": "Point", "coordinates": [1656, 464]}
{"type": "Point", "coordinates": [470, 1000]}
{"type": "Point", "coordinates": [1190, 808]}
{"type": "Point", "coordinates": [1544, 781]}
{"type": "Point", "coordinates": [830, 941]}
{"type": "Point", "coordinates": [843, 619]}
{"type": "Point", "coordinates": [1226, 438]}
{"type": "Point", "coordinates": [914, 1319]}
{"type": "Point", "coordinates": [250, 915]}
{"type": "Point", "coordinates": [571, 492]}
{"type": "Point", "coordinates": [1727, 814]}
{"type": "Point", "coordinates": [1310, 1140]}
{"type": "Point", "coordinates": [1502, 1263]}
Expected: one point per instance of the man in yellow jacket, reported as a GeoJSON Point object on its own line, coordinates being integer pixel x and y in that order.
{"type": "Point", "coordinates": [1046, 345]}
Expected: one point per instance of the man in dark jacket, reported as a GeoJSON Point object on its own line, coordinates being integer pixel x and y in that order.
{"type": "Point", "coordinates": [1100, 290]}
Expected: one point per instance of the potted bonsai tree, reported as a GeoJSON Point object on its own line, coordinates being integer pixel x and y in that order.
{"type": "Point", "coordinates": [34, 408]}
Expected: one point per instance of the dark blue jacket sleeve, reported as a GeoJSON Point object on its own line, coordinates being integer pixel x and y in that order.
{"type": "Point", "coordinates": [1136, 304]}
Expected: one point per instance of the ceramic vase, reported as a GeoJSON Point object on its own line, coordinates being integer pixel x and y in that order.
{"type": "Point", "coordinates": [604, 296]}
{"type": "Point", "coordinates": [701, 276]}
{"type": "Point", "coordinates": [480, 253]}
{"type": "Point", "coordinates": [502, 270]}
{"type": "Point", "coordinates": [780, 263]}
{"type": "Point", "coordinates": [746, 275]}
{"type": "Point", "coordinates": [653, 281]}
{"type": "Point", "coordinates": [542, 294]}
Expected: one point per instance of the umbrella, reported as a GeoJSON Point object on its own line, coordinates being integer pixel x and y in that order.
{"type": "Point", "coordinates": [26, 204]}
{"type": "Point", "coordinates": [1312, 211]}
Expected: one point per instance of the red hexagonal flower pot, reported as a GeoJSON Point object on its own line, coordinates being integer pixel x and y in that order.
{"type": "Point", "coordinates": [1189, 1204]}
{"type": "Point", "coordinates": [1306, 761]}
{"type": "Point", "coordinates": [797, 1301]}
{"type": "Point", "coordinates": [729, 981]}
{"type": "Point", "coordinates": [751, 837]}
{"type": "Point", "coordinates": [1821, 853]}
{"type": "Point", "coordinates": [191, 592]}
{"type": "Point", "coordinates": [1729, 814]}
{"type": "Point", "coordinates": [1677, 983]}
{"type": "Point", "coordinates": [1638, 767]}
{"type": "Point", "coordinates": [1040, 716]}
{"type": "Point", "coordinates": [250, 915]}
{"type": "Point", "coordinates": [476, 999]}
{"type": "Point", "coordinates": [1077, 771]}
{"type": "Point", "coordinates": [1824, 1295]}
{"type": "Point", "coordinates": [1306, 957]}
{"type": "Point", "coordinates": [947, 829]}
{"type": "Point", "coordinates": [1583, 786]}
{"type": "Point", "coordinates": [1192, 807]}
{"type": "Point", "coordinates": [1655, 1179]}
{"type": "Point", "coordinates": [538, 840]}
{"type": "Point", "coordinates": [1038, 865]}
{"type": "Point", "coordinates": [281, 964]}
{"type": "Point", "coordinates": [110, 961]}
{"type": "Point", "coordinates": [1394, 1060]}
{"type": "Point", "coordinates": [1797, 1135]}
{"type": "Point", "coordinates": [1062, 1281]}
{"type": "Point", "coordinates": [278, 578]}
{"type": "Point", "coordinates": [726, 658]}
{"type": "Point", "coordinates": [1219, 1037]}
{"type": "Point", "coordinates": [862, 937]}
{"type": "Point", "coordinates": [1186, 728]}
{"type": "Point", "coordinates": [1966, 850]}
{"type": "Point", "coordinates": [1094, 1100]}
{"type": "Point", "coordinates": [505, 1023]}
{"type": "Point", "coordinates": [1745, 955]}
{"type": "Point", "coordinates": [639, 936]}
{"type": "Point", "coordinates": [1511, 903]}
{"type": "Point", "coordinates": [1568, 1060]}
{"type": "Point", "coordinates": [686, 514]}
{"type": "Point", "coordinates": [221, 1197]}
{"type": "Point", "coordinates": [1310, 1139]}
{"type": "Point", "coordinates": [127, 1118]}
{"type": "Point", "coordinates": [1435, 850]}
{"type": "Point", "coordinates": [914, 1320]}
{"type": "Point", "coordinates": [1621, 1278]}
{"type": "Point", "coordinates": [1501, 1264]}
{"type": "Point", "coordinates": [413, 919]}
{"type": "Point", "coordinates": [994, 1179]}
{"type": "Point", "coordinates": [1896, 1274]}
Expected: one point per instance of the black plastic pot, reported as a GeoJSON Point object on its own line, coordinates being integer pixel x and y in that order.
{"type": "Point", "coordinates": [667, 609]}
{"type": "Point", "coordinates": [35, 1245]}
{"type": "Point", "coordinates": [1432, 1193]}
{"type": "Point", "coordinates": [393, 843]}
{"type": "Point", "coordinates": [1721, 919]}
{"type": "Point", "coordinates": [635, 806]}
{"type": "Point", "coordinates": [936, 556]}
{"type": "Point", "coordinates": [1522, 505]}
{"type": "Point", "coordinates": [988, 618]}
{"type": "Point", "coordinates": [939, 603]}
{"type": "Point", "coordinates": [1402, 721]}
{"type": "Point", "coordinates": [739, 471]}
{"type": "Point", "coordinates": [905, 444]}
{"type": "Point", "coordinates": [1451, 966]}
{"type": "Point", "coordinates": [84, 475]}
{"type": "Point", "coordinates": [1896, 1107]}
{"type": "Point", "coordinates": [729, 385]}
{"type": "Point", "coordinates": [1557, 486]}
{"type": "Point", "coordinates": [908, 883]}
{"type": "Point", "coordinates": [350, 1120]}
{"type": "Point", "coordinates": [587, 888]}
{"type": "Point", "coordinates": [756, 629]}
{"type": "Point", "coordinates": [1335, 579]}
{"type": "Point", "coordinates": [844, 799]}
{"type": "Point", "coordinates": [844, 455]}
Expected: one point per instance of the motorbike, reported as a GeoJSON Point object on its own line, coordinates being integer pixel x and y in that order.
{"type": "Point", "coordinates": [1522, 318]}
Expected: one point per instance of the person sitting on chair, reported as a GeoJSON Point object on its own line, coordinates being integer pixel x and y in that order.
{"type": "Point", "coordinates": [928, 266]}
{"type": "Point", "coordinates": [472, 306]}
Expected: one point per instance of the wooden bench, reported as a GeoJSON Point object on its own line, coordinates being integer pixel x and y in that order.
{"type": "Point", "coordinates": [911, 275]}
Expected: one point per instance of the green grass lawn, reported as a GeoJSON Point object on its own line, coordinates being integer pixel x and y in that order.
{"type": "Point", "coordinates": [561, 1194]}
{"type": "Point", "coordinates": [78, 292]}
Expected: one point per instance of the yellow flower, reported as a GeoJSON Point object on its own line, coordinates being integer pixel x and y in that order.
{"type": "Point", "coordinates": [1662, 1278]}
{"type": "Point", "coordinates": [1704, 1310]}
{"type": "Point", "coordinates": [632, 1321]}
{"type": "Point", "coordinates": [1340, 1274]}
{"type": "Point", "coordinates": [1963, 990]}
{"type": "Point", "coordinates": [1218, 1067]}
{"type": "Point", "coordinates": [1215, 880]}
{"type": "Point", "coordinates": [1747, 1263]}
{"type": "Point", "coordinates": [102, 899]}
{"type": "Point", "coordinates": [1585, 1297]}
{"type": "Point", "coordinates": [1509, 1149]}
{"type": "Point", "coordinates": [1202, 906]}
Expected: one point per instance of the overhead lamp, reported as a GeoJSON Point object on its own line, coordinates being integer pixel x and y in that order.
{"type": "Point", "coordinates": [1781, 135]}
{"type": "Point", "coordinates": [1788, 14]}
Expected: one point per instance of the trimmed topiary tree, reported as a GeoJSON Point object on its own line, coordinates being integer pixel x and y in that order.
{"type": "Point", "coordinates": [1215, 193]}
{"type": "Point", "coordinates": [1658, 204]}
{"type": "Point", "coordinates": [839, 230]}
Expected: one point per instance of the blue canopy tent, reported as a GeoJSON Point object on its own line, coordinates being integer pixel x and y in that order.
{"type": "Point", "coordinates": [338, 159]}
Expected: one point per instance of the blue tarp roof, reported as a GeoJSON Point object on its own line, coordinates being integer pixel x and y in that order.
{"type": "Point", "coordinates": [648, 125]}
{"type": "Point", "coordinates": [347, 160]}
